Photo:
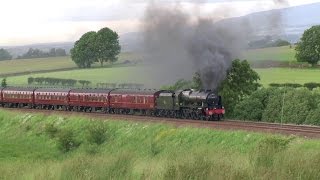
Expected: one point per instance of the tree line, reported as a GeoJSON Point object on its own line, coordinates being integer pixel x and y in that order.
{"type": "Point", "coordinates": [300, 106]}
{"type": "Point", "coordinates": [310, 85]}
{"type": "Point", "coordinates": [37, 53]}
{"type": "Point", "coordinates": [57, 81]}
{"type": "Point", "coordinates": [33, 53]}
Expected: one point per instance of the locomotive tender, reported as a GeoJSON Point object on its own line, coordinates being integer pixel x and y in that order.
{"type": "Point", "coordinates": [185, 104]}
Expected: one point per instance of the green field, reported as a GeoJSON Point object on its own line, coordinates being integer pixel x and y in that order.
{"type": "Point", "coordinates": [130, 75]}
{"type": "Point", "coordinates": [95, 75]}
{"type": "Point", "coordinates": [288, 75]}
{"type": "Point", "coordinates": [56, 147]}
{"type": "Point", "coordinates": [284, 53]}
{"type": "Point", "coordinates": [52, 63]}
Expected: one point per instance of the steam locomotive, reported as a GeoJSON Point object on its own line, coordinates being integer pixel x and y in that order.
{"type": "Point", "coordinates": [184, 104]}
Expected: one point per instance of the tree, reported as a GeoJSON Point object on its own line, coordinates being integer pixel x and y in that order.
{"type": "Point", "coordinates": [84, 53]}
{"type": "Point", "coordinates": [4, 82]}
{"type": "Point", "coordinates": [240, 82]}
{"type": "Point", "coordinates": [5, 55]}
{"type": "Point", "coordinates": [107, 45]}
{"type": "Point", "coordinates": [308, 49]}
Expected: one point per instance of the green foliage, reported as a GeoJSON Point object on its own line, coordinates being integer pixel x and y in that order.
{"type": "Point", "coordinates": [97, 133]}
{"type": "Point", "coordinates": [281, 42]}
{"type": "Point", "coordinates": [240, 82]}
{"type": "Point", "coordinates": [268, 42]}
{"type": "Point", "coordinates": [296, 105]}
{"type": "Point", "coordinates": [289, 85]}
{"type": "Point", "coordinates": [56, 81]}
{"type": "Point", "coordinates": [252, 107]}
{"type": "Point", "coordinates": [267, 149]}
{"type": "Point", "coordinates": [196, 167]}
{"type": "Point", "coordinates": [101, 46]}
{"type": "Point", "coordinates": [313, 117]}
{"type": "Point", "coordinates": [308, 49]}
{"type": "Point", "coordinates": [4, 82]}
{"type": "Point", "coordinates": [83, 52]}
{"type": "Point", "coordinates": [185, 153]}
{"type": "Point", "coordinates": [66, 140]}
{"type": "Point", "coordinates": [249, 109]}
{"type": "Point", "coordinates": [5, 55]}
{"type": "Point", "coordinates": [37, 53]}
{"type": "Point", "coordinates": [311, 85]}
{"type": "Point", "coordinates": [51, 130]}
{"type": "Point", "coordinates": [107, 45]}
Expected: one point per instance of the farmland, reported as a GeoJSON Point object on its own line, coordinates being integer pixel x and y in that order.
{"type": "Point", "coordinates": [31, 148]}
{"type": "Point", "coordinates": [288, 75]}
{"type": "Point", "coordinates": [128, 74]}
{"type": "Point", "coordinates": [121, 74]}
{"type": "Point", "coordinates": [28, 66]}
{"type": "Point", "coordinates": [284, 53]}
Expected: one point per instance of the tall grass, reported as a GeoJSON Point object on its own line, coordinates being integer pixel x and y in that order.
{"type": "Point", "coordinates": [29, 149]}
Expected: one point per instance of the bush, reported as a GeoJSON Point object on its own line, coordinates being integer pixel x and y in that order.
{"type": "Point", "coordinates": [296, 107]}
{"type": "Point", "coordinates": [253, 106]}
{"type": "Point", "coordinates": [51, 130]}
{"type": "Point", "coordinates": [313, 117]}
{"type": "Point", "coordinates": [249, 109]}
{"type": "Point", "coordinates": [67, 141]}
{"type": "Point", "coordinates": [311, 85]}
{"type": "Point", "coordinates": [97, 133]}
{"type": "Point", "coordinates": [264, 154]}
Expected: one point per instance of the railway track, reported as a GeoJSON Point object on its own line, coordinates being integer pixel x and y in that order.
{"type": "Point", "coordinates": [287, 129]}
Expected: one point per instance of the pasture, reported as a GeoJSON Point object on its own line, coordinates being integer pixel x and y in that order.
{"type": "Point", "coordinates": [288, 75]}
{"type": "Point", "coordinates": [284, 53]}
{"type": "Point", "coordinates": [28, 66]}
{"type": "Point", "coordinates": [115, 74]}
{"type": "Point", "coordinates": [129, 74]}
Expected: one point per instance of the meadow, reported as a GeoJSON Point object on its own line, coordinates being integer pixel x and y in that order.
{"type": "Point", "coordinates": [288, 75]}
{"type": "Point", "coordinates": [118, 73]}
{"type": "Point", "coordinates": [284, 53]}
{"type": "Point", "coordinates": [129, 74]}
{"type": "Point", "coordinates": [28, 66]}
{"type": "Point", "coordinates": [114, 74]}
{"type": "Point", "coordinates": [36, 146]}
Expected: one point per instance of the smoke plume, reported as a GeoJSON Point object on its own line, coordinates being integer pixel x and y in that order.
{"type": "Point", "coordinates": [177, 44]}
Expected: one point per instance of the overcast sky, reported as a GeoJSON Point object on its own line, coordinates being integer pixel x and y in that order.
{"type": "Point", "coordinates": [40, 21]}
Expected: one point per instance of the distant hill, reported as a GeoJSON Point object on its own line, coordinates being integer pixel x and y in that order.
{"type": "Point", "coordinates": [288, 24]}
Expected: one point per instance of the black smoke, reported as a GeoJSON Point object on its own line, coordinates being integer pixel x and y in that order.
{"type": "Point", "coordinates": [178, 43]}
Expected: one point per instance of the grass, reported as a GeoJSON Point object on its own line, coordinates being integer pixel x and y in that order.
{"type": "Point", "coordinates": [95, 75]}
{"type": "Point", "coordinates": [47, 64]}
{"type": "Point", "coordinates": [288, 75]}
{"type": "Point", "coordinates": [284, 53]}
{"type": "Point", "coordinates": [148, 151]}
{"type": "Point", "coordinates": [130, 75]}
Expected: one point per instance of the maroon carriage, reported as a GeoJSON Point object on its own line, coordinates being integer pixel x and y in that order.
{"type": "Point", "coordinates": [18, 97]}
{"type": "Point", "coordinates": [46, 98]}
{"type": "Point", "coordinates": [131, 101]}
{"type": "Point", "coordinates": [1, 97]}
{"type": "Point", "coordinates": [89, 99]}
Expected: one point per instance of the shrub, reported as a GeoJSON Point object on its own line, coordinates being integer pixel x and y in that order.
{"type": "Point", "coordinates": [249, 109]}
{"type": "Point", "coordinates": [264, 154]}
{"type": "Point", "coordinates": [51, 130]}
{"type": "Point", "coordinates": [67, 141]}
{"type": "Point", "coordinates": [253, 106]}
{"type": "Point", "coordinates": [97, 133]}
{"type": "Point", "coordinates": [311, 85]}
{"type": "Point", "coordinates": [297, 104]}
{"type": "Point", "coordinates": [313, 117]}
